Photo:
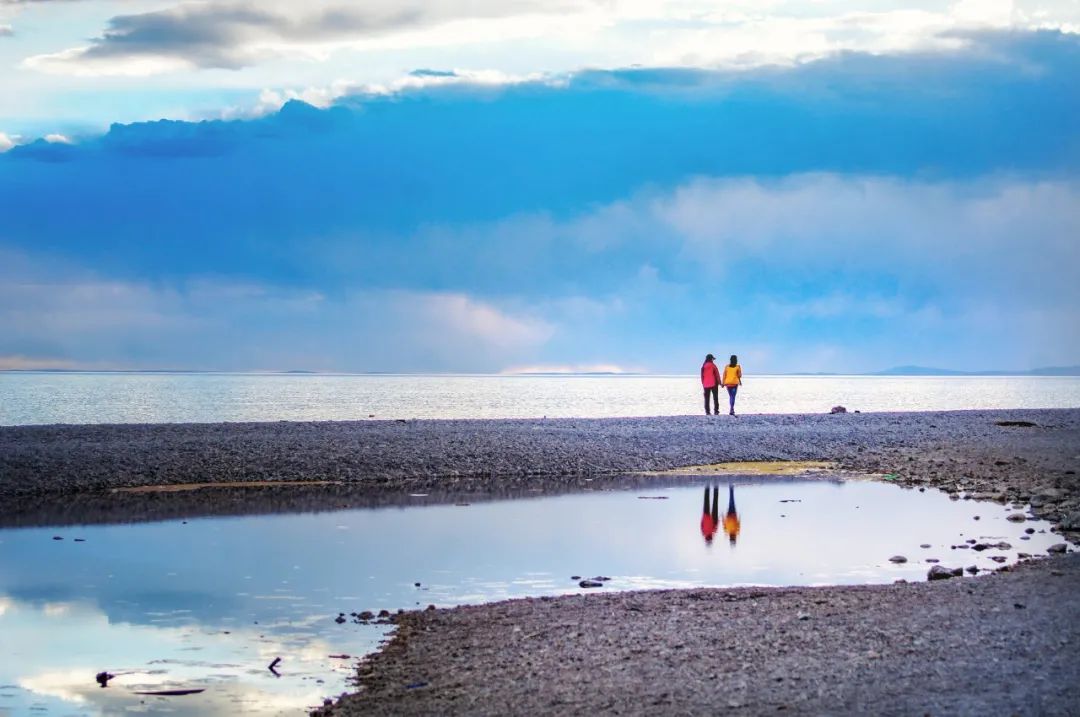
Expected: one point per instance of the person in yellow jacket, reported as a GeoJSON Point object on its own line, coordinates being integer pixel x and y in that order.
{"type": "Point", "coordinates": [731, 380]}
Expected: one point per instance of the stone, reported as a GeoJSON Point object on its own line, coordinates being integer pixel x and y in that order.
{"type": "Point", "coordinates": [339, 619]}
{"type": "Point", "coordinates": [1029, 531]}
{"type": "Point", "coordinates": [837, 409]}
{"type": "Point", "coordinates": [590, 584]}
{"type": "Point", "coordinates": [1023, 556]}
{"type": "Point", "coordinates": [384, 613]}
{"type": "Point", "coordinates": [1057, 548]}
{"type": "Point", "coordinates": [998, 558]}
{"type": "Point", "coordinates": [366, 615]}
{"type": "Point", "coordinates": [932, 560]}
{"type": "Point", "coordinates": [1071, 521]}
{"type": "Point", "coordinates": [1016, 517]}
{"type": "Point", "coordinates": [925, 545]}
{"type": "Point", "coordinates": [972, 569]}
{"type": "Point", "coordinates": [898, 559]}
{"type": "Point", "coordinates": [939, 573]}
{"type": "Point", "coordinates": [1002, 545]}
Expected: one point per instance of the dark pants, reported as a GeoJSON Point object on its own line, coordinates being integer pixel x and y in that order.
{"type": "Point", "coordinates": [731, 391]}
{"type": "Point", "coordinates": [715, 392]}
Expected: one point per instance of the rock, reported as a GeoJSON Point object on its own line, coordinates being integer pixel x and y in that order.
{"type": "Point", "coordinates": [590, 584]}
{"type": "Point", "coordinates": [976, 517]}
{"type": "Point", "coordinates": [57, 537]}
{"type": "Point", "coordinates": [366, 615]}
{"type": "Point", "coordinates": [1071, 521]}
{"type": "Point", "coordinates": [1057, 548]}
{"type": "Point", "coordinates": [972, 569]}
{"type": "Point", "coordinates": [1023, 556]}
{"type": "Point", "coordinates": [980, 546]}
{"type": "Point", "coordinates": [1002, 545]}
{"type": "Point", "coordinates": [898, 559]}
{"type": "Point", "coordinates": [939, 573]}
{"type": "Point", "coordinates": [925, 545]}
{"type": "Point", "coordinates": [1029, 531]}
{"type": "Point", "coordinates": [384, 613]}
{"type": "Point", "coordinates": [957, 572]}
{"type": "Point", "coordinates": [1016, 517]}
{"type": "Point", "coordinates": [575, 577]}
{"type": "Point", "coordinates": [998, 558]}
{"type": "Point", "coordinates": [339, 619]}
{"type": "Point", "coordinates": [837, 409]}
{"type": "Point", "coordinates": [932, 560]}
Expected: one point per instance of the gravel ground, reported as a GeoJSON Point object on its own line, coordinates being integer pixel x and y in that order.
{"type": "Point", "coordinates": [1005, 643]}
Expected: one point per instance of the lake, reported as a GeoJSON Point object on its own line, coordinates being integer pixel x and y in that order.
{"type": "Point", "coordinates": [209, 603]}
{"type": "Point", "coordinates": [42, 398]}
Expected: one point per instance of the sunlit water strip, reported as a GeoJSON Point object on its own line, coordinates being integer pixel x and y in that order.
{"type": "Point", "coordinates": [41, 398]}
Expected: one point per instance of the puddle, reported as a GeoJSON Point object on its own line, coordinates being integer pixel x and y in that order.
{"type": "Point", "coordinates": [210, 603]}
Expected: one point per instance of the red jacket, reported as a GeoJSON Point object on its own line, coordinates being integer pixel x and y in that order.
{"type": "Point", "coordinates": [710, 375]}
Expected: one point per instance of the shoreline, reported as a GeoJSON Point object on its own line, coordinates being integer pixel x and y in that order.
{"type": "Point", "coordinates": [999, 643]}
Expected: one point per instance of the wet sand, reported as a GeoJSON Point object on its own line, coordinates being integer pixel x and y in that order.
{"type": "Point", "coordinates": [1005, 643]}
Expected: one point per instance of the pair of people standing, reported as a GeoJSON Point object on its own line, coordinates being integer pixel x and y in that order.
{"type": "Point", "coordinates": [712, 379]}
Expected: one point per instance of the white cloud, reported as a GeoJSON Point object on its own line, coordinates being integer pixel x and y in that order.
{"type": "Point", "coordinates": [56, 318]}
{"type": "Point", "coordinates": [6, 142]}
{"type": "Point", "coordinates": [271, 100]}
{"type": "Point", "coordinates": [57, 139]}
{"type": "Point", "coordinates": [570, 35]}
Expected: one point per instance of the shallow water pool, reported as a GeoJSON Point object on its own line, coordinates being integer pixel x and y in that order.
{"type": "Point", "coordinates": [209, 603]}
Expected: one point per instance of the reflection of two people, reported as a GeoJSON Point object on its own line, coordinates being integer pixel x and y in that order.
{"type": "Point", "coordinates": [710, 516]}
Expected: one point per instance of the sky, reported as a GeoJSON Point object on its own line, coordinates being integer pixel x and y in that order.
{"type": "Point", "coordinates": [537, 185]}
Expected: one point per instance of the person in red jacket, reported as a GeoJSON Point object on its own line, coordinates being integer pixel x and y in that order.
{"type": "Point", "coordinates": [710, 381]}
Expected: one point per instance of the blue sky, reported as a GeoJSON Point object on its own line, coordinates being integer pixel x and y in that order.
{"type": "Point", "coordinates": [485, 187]}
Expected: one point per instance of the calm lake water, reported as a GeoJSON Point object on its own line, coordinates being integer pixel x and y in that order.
{"type": "Point", "coordinates": [209, 603]}
{"type": "Point", "coordinates": [36, 398]}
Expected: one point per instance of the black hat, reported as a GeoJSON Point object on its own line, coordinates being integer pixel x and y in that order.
{"type": "Point", "coordinates": [709, 357]}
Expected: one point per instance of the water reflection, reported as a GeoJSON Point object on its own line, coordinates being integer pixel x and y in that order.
{"type": "Point", "coordinates": [710, 516]}
{"type": "Point", "coordinates": [731, 518]}
{"type": "Point", "coordinates": [209, 603]}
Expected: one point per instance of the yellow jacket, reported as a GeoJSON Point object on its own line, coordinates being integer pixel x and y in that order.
{"type": "Point", "coordinates": [732, 376]}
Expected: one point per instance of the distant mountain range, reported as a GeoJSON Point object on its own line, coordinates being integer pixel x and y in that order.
{"type": "Point", "coordinates": [925, 371]}
{"type": "Point", "coordinates": [895, 371]}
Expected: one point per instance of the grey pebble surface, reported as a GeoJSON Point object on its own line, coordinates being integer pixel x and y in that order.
{"type": "Point", "coordinates": [955, 646]}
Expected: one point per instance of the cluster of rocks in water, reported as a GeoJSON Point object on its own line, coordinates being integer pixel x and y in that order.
{"type": "Point", "coordinates": [939, 572]}
{"type": "Point", "coordinates": [367, 617]}
{"type": "Point", "coordinates": [594, 582]}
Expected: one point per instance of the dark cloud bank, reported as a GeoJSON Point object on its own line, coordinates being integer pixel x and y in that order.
{"type": "Point", "coordinates": [258, 197]}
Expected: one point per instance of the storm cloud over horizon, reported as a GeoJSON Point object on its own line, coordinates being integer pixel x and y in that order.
{"type": "Point", "coordinates": [845, 214]}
